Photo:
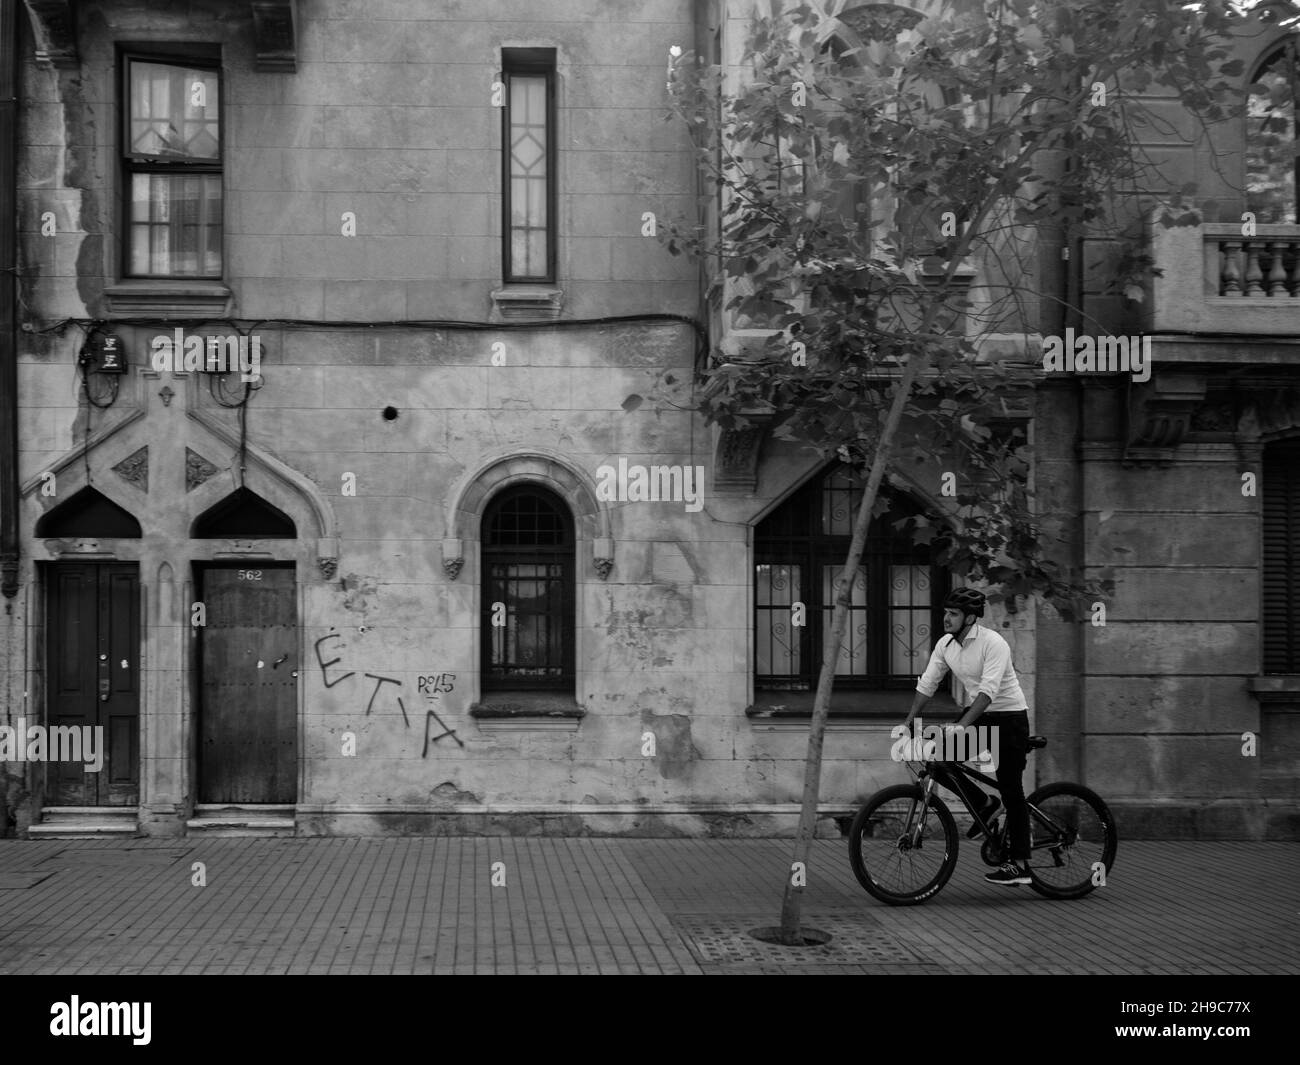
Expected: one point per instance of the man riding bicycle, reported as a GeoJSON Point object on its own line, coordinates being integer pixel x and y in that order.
{"type": "Point", "coordinates": [980, 662]}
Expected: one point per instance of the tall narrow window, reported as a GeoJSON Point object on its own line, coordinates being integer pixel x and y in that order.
{"type": "Point", "coordinates": [171, 167]}
{"type": "Point", "coordinates": [894, 602]}
{"type": "Point", "coordinates": [528, 567]}
{"type": "Point", "coordinates": [528, 139]}
{"type": "Point", "coordinates": [1281, 562]}
{"type": "Point", "coordinates": [1271, 138]}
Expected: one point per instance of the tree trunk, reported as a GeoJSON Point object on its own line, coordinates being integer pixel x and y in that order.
{"type": "Point", "coordinates": [792, 903]}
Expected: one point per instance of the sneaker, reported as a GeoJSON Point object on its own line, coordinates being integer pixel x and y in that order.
{"type": "Point", "coordinates": [989, 812]}
{"type": "Point", "coordinates": [1008, 874]}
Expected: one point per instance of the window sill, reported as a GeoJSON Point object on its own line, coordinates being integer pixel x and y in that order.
{"type": "Point", "coordinates": [528, 302]}
{"type": "Point", "coordinates": [527, 712]}
{"type": "Point", "coordinates": [155, 297]}
{"type": "Point", "coordinates": [854, 711]}
{"type": "Point", "coordinates": [1276, 692]}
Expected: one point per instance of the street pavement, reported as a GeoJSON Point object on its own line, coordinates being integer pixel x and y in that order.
{"type": "Point", "coordinates": [591, 905]}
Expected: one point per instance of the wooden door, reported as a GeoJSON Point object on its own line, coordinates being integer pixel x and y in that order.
{"type": "Point", "coordinates": [93, 648]}
{"type": "Point", "coordinates": [248, 688]}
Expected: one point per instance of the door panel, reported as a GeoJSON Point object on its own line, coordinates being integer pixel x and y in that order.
{"type": "Point", "coordinates": [92, 642]}
{"type": "Point", "coordinates": [248, 691]}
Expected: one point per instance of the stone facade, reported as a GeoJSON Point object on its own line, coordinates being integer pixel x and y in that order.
{"type": "Point", "coordinates": [398, 397]}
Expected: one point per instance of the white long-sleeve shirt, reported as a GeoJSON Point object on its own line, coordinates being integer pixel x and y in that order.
{"type": "Point", "coordinates": [981, 664]}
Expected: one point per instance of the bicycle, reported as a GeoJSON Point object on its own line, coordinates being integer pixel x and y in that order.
{"type": "Point", "coordinates": [891, 827]}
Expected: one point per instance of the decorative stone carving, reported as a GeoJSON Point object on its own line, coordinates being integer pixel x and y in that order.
{"type": "Point", "coordinates": [197, 470]}
{"type": "Point", "coordinates": [1215, 417]}
{"type": "Point", "coordinates": [880, 22]}
{"type": "Point", "coordinates": [453, 557]}
{"type": "Point", "coordinates": [451, 567]}
{"type": "Point", "coordinates": [274, 34]}
{"type": "Point", "coordinates": [134, 469]}
{"type": "Point", "coordinates": [603, 566]}
{"type": "Point", "coordinates": [166, 394]}
{"type": "Point", "coordinates": [55, 30]}
{"type": "Point", "coordinates": [1275, 410]}
{"type": "Point", "coordinates": [328, 567]}
{"type": "Point", "coordinates": [1159, 414]}
{"type": "Point", "coordinates": [736, 455]}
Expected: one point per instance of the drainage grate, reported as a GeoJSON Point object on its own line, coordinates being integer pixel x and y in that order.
{"type": "Point", "coordinates": [715, 940]}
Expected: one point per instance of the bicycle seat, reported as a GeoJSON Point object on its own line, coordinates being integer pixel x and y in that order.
{"type": "Point", "coordinates": [1035, 742]}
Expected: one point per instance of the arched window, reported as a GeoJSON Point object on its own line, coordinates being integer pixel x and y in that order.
{"type": "Point", "coordinates": [1281, 557]}
{"type": "Point", "coordinates": [528, 592]}
{"type": "Point", "coordinates": [896, 604]}
{"type": "Point", "coordinates": [88, 513]}
{"type": "Point", "coordinates": [1270, 139]}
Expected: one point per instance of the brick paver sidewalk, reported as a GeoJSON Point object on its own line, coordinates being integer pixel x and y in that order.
{"type": "Point", "coordinates": [419, 905]}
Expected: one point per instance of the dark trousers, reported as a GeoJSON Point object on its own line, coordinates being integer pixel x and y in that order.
{"type": "Point", "coordinates": [1013, 751]}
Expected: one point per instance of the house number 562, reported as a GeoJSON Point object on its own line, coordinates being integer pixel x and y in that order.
{"type": "Point", "coordinates": [250, 574]}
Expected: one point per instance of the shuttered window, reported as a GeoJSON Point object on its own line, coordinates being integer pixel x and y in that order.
{"type": "Point", "coordinates": [1282, 557]}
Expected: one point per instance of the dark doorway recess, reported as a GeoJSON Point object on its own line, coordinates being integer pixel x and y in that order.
{"type": "Point", "coordinates": [244, 515]}
{"type": "Point", "coordinates": [92, 632]}
{"type": "Point", "coordinates": [88, 513]}
{"type": "Point", "coordinates": [248, 686]}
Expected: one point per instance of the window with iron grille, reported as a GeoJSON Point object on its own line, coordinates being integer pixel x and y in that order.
{"type": "Point", "coordinates": [1281, 556]}
{"type": "Point", "coordinates": [528, 150]}
{"type": "Point", "coordinates": [895, 603]}
{"type": "Point", "coordinates": [171, 160]}
{"type": "Point", "coordinates": [528, 592]}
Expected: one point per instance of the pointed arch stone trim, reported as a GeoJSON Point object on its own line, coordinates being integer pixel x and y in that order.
{"type": "Point", "coordinates": [74, 455]}
{"type": "Point", "coordinates": [295, 483]}
{"type": "Point", "coordinates": [469, 496]}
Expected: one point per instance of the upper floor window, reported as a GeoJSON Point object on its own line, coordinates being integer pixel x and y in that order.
{"type": "Point", "coordinates": [528, 149]}
{"type": "Point", "coordinates": [171, 161]}
{"type": "Point", "coordinates": [895, 599]}
{"type": "Point", "coordinates": [1281, 557]}
{"type": "Point", "coordinates": [528, 592]}
{"type": "Point", "coordinates": [1270, 139]}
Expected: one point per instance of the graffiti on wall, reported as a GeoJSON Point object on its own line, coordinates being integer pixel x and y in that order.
{"type": "Point", "coordinates": [431, 686]}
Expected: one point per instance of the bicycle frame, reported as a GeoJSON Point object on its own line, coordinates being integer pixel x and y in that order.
{"type": "Point", "coordinates": [1059, 833]}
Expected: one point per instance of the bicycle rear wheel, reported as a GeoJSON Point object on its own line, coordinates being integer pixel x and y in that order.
{"type": "Point", "coordinates": [1071, 833]}
{"type": "Point", "coordinates": [890, 861]}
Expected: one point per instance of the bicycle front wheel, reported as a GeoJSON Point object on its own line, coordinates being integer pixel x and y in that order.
{"type": "Point", "coordinates": [896, 858]}
{"type": "Point", "coordinates": [1072, 840]}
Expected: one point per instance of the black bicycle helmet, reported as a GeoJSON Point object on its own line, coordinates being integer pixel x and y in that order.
{"type": "Point", "coordinates": [967, 600]}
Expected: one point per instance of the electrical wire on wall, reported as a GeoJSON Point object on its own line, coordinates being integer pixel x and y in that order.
{"type": "Point", "coordinates": [85, 359]}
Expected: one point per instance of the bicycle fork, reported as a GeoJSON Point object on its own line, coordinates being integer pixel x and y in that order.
{"type": "Point", "coordinates": [915, 830]}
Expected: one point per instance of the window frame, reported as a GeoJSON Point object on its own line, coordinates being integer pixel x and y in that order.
{"type": "Point", "coordinates": [529, 62]}
{"type": "Point", "coordinates": [811, 550]}
{"type": "Point", "coordinates": [1279, 455]}
{"type": "Point", "coordinates": [564, 553]}
{"type": "Point", "coordinates": [196, 56]}
{"type": "Point", "coordinates": [1280, 51]}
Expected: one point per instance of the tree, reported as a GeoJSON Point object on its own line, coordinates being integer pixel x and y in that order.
{"type": "Point", "coordinates": [858, 170]}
